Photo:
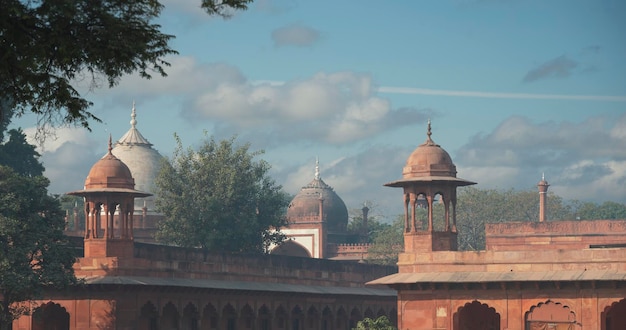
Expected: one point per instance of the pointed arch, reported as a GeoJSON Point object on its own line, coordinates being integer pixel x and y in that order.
{"type": "Point", "coordinates": [170, 317]}
{"type": "Point", "coordinates": [342, 319]}
{"type": "Point", "coordinates": [475, 315]}
{"type": "Point", "coordinates": [614, 316]}
{"type": "Point", "coordinates": [246, 317]}
{"type": "Point", "coordinates": [190, 317]}
{"type": "Point", "coordinates": [264, 318]}
{"type": "Point", "coordinates": [210, 317]}
{"type": "Point", "coordinates": [50, 316]}
{"type": "Point", "coordinates": [229, 317]}
{"type": "Point", "coordinates": [369, 313]}
{"type": "Point", "coordinates": [148, 317]}
{"type": "Point", "coordinates": [312, 318]}
{"type": "Point", "coordinates": [540, 316]}
{"type": "Point", "coordinates": [297, 318]}
{"type": "Point", "coordinates": [355, 316]}
{"type": "Point", "coordinates": [381, 312]}
{"type": "Point", "coordinates": [291, 248]}
{"type": "Point", "coordinates": [327, 319]}
{"type": "Point", "coordinates": [281, 317]}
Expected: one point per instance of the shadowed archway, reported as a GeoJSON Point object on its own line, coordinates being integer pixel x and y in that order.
{"type": "Point", "coordinates": [51, 316]}
{"type": "Point", "coordinates": [614, 316]}
{"type": "Point", "coordinates": [475, 315]}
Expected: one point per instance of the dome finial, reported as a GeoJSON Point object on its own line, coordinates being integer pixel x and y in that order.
{"type": "Point", "coordinates": [110, 144]}
{"type": "Point", "coordinates": [429, 141]}
{"type": "Point", "coordinates": [317, 168]}
{"type": "Point", "coordinates": [133, 115]}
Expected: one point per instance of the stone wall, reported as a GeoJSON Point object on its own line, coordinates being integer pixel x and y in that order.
{"type": "Point", "coordinates": [554, 234]}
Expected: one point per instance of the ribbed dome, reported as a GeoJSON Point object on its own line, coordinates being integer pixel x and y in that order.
{"type": "Point", "coordinates": [429, 159]}
{"type": "Point", "coordinates": [143, 161]}
{"type": "Point", "coordinates": [304, 207]}
{"type": "Point", "coordinates": [109, 172]}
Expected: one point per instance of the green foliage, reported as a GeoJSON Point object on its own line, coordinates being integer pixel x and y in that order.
{"type": "Point", "coordinates": [34, 252]}
{"type": "Point", "coordinates": [224, 7]}
{"type": "Point", "coordinates": [19, 155]}
{"type": "Point", "coordinates": [387, 243]}
{"type": "Point", "coordinates": [475, 207]}
{"type": "Point", "coordinates": [381, 323]}
{"type": "Point", "coordinates": [604, 211]}
{"type": "Point", "coordinates": [48, 47]}
{"type": "Point", "coordinates": [220, 199]}
{"type": "Point", "coordinates": [357, 227]}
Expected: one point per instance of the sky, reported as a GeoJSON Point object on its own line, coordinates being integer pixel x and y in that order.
{"type": "Point", "coordinates": [514, 90]}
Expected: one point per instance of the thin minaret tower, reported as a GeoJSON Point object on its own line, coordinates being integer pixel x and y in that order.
{"type": "Point", "coordinates": [543, 191]}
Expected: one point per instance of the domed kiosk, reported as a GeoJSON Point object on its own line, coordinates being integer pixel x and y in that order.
{"type": "Point", "coordinates": [109, 191]}
{"type": "Point", "coordinates": [317, 217]}
{"type": "Point", "coordinates": [429, 172]}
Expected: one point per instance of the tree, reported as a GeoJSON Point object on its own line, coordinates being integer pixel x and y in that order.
{"type": "Point", "coordinates": [387, 243]}
{"type": "Point", "coordinates": [593, 211]}
{"type": "Point", "coordinates": [219, 198]}
{"type": "Point", "coordinates": [34, 252]}
{"type": "Point", "coordinates": [381, 323]}
{"type": "Point", "coordinates": [48, 47]}
{"type": "Point", "coordinates": [475, 207]}
{"type": "Point", "coordinates": [19, 155]}
{"type": "Point", "coordinates": [357, 227]}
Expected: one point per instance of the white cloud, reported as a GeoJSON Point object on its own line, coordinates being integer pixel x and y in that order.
{"type": "Point", "coordinates": [58, 138]}
{"type": "Point", "coordinates": [338, 107]}
{"type": "Point", "coordinates": [67, 157]}
{"type": "Point", "coordinates": [585, 161]}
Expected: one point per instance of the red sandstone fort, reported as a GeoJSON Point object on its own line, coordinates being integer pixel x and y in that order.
{"type": "Point", "coordinates": [543, 275]}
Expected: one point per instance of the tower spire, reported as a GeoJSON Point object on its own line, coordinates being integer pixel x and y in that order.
{"type": "Point", "coordinates": [317, 168]}
{"type": "Point", "coordinates": [133, 116]}
{"type": "Point", "coordinates": [543, 190]}
{"type": "Point", "coordinates": [429, 140]}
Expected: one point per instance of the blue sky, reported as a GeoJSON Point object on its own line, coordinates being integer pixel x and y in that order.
{"type": "Point", "coordinates": [514, 89]}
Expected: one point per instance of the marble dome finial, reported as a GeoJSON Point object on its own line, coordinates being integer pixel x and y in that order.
{"type": "Point", "coordinates": [317, 168]}
{"type": "Point", "coordinates": [133, 116]}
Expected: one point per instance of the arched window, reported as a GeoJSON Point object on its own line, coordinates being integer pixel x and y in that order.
{"type": "Point", "coordinates": [50, 316]}
{"type": "Point", "coordinates": [550, 316]}
{"type": "Point", "coordinates": [169, 319]}
{"type": "Point", "coordinates": [614, 316]}
{"type": "Point", "coordinates": [475, 315]}
{"type": "Point", "coordinates": [190, 317]}
{"type": "Point", "coordinates": [148, 317]}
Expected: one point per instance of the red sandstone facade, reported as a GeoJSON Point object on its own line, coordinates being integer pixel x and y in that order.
{"type": "Point", "coordinates": [565, 275]}
{"type": "Point", "coordinates": [131, 285]}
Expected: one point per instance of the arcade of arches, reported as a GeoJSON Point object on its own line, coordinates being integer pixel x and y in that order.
{"type": "Point", "coordinates": [198, 314]}
{"type": "Point", "coordinates": [472, 315]}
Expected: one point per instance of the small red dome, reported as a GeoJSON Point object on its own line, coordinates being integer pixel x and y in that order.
{"type": "Point", "coordinates": [109, 172]}
{"type": "Point", "coordinates": [429, 159]}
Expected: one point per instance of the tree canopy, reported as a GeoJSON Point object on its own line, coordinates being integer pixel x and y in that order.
{"type": "Point", "coordinates": [48, 48]}
{"type": "Point", "coordinates": [219, 198]}
{"type": "Point", "coordinates": [21, 156]}
{"type": "Point", "coordinates": [386, 243]}
{"type": "Point", "coordinates": [34, 252]}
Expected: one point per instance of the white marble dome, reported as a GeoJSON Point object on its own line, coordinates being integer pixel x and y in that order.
{"type": "Point", "coordinates": [143, 161]}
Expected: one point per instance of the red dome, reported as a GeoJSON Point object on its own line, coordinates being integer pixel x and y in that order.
{"type": "Point", "coordinates": [429, 159]}
{"type": "Point", "coordinates": [109, 172]}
